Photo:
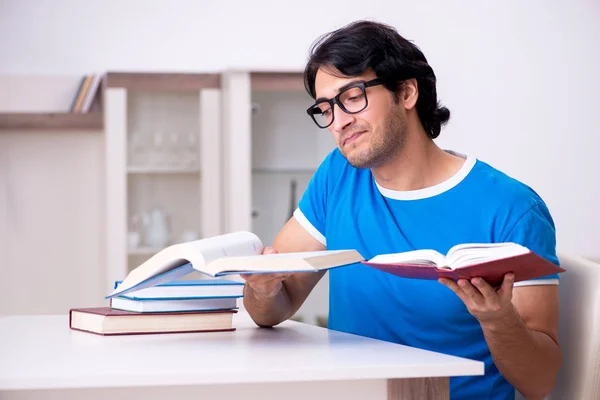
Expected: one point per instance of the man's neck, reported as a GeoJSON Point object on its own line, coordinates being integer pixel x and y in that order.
{"type": "Point", "coordinates": [420, 164]}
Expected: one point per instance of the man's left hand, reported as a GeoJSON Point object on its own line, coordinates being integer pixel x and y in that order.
{"type": "Point", "coordinates": [483, 301]}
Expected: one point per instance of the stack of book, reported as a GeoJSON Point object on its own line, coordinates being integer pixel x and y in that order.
{"type": "Point", "coordinates": [178, 306]}
{"type": "Point", "coordinates": [153, 299]}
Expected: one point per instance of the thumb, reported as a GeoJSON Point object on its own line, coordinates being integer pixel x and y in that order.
{"type": "Point", "coordinates": [269, 250]}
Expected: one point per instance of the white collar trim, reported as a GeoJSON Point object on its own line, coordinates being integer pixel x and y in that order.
{"type": "Point", "coordinates": [432, 190]}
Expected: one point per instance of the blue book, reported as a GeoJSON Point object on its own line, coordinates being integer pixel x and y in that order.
{"type": "Point", "coordinates": [187, 290]}
{"type": "Point", "coordinates": [229, 254]}
{"type": "Point", "coordinates": [174, 305]}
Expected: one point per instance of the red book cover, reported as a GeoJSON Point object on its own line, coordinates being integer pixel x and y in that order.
{"type": "Point", "coordinates": [524, 266]}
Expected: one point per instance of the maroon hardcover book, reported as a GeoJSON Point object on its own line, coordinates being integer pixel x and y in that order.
{"type": "Point", "coordinates": [525, 266]}
{"type": "Point", "coordinates": [148, 323]}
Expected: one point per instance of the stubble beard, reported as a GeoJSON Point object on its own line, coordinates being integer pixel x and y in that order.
{"type": "Point", "coordinates": [383, 147]}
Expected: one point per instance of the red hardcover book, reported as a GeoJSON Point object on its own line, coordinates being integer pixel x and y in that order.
{"type": "Point", "coordinates": [108, 321]}
{"type": "Point", "coordinates": [490, 261]}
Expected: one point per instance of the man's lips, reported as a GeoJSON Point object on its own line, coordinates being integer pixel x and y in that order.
{"type": "Point", "coordinates": [353, 136]}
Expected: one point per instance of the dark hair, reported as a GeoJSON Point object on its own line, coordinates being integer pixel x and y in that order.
{"type": "Point", "coordinates": [366, 45]}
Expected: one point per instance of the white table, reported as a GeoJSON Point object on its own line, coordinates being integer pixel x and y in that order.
{"type": "Point", "coordinates": [41, 358]}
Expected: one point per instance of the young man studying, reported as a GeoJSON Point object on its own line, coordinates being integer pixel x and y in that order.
{"type": "Point", "coordinates": [387, 188]}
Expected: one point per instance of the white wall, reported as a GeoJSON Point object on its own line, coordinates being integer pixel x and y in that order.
{"type": "Point", "coordinates": [520, 78]}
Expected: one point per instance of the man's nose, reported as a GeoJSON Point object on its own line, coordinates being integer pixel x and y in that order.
{"type": "Point", "coordinates": [341, 119]}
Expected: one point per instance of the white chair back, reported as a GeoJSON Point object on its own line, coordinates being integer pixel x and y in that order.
{"type": "Point", "coordinates": [579, 330]}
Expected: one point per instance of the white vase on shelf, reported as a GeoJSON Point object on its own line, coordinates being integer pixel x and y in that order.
{"type": "Point", "coordinates": [157, 228]}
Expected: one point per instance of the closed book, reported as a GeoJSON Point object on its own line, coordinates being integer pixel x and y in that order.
{"type": "Point", "coordinates": [173, 305]}
{"type": "Point", "coordinates": [490, 261]}
{"type": "Point", "coordinates": [188, 289]}
{"type": "Point", "coordinates": [108, 321]}
{"type": "Point", "coordinates": [91, 93]}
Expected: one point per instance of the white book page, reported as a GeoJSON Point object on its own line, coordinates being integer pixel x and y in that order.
{"type": "Point", "coordinates": [198, 253]}
{"type": "Point", "coordinates": [417, 257]}
{"type": "Point", "coordinates": [478, 246]}
{"type": "Point", "coordinates": [304, 254]}
{"type": "Point", "coordinates": [229, 245]}
{"type": "Point", "coordinates": [268, 262]}
{"type": "Point", "coordinates": [475, 253]}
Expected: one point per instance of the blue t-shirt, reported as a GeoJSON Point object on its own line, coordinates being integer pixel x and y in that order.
{"type": "Point", "coordinates": [343, 207]}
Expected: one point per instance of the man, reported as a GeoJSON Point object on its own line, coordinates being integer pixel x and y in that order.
{"type": "Point", "coordinates": [388, 188]}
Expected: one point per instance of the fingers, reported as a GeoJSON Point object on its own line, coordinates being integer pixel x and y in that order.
{"type": "Point", "coordinates": [261, 276]}
{"type": "Point", "coordinates": [477, 287]}
{"type": "Point", "coordinates": [506, 289]}
{"type": "Point", "coordinates": [463, 289]}
{"type": "Point", "coordinates": [481, 299]}
{"type": "Point", "coordinates": [454, 287]}
{"type": "Point", "coordinates": [265, 285]}
{"type": "Point", "coordinates": [264, 278]}
{"type": "Point", "coordinates": [269, 250]}
{"type": "Point", "coordinates": [450, 283]}
{"type": "Point", "coordinates": [484, 288]}
{"type": "Point", "coordinates": [470, 290]}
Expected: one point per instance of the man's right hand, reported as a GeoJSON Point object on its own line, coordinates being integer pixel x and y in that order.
{"type": "Point", "coordinates": [266, 298]}
{"type": "Point", "coordinates": [265, 285]}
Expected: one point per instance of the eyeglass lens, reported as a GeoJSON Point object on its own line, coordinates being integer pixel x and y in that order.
{"type": "Point", "coordinates": [352, 100]}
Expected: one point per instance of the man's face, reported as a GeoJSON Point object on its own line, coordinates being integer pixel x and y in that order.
{"type": "Point", "coordinates": [371, 137]}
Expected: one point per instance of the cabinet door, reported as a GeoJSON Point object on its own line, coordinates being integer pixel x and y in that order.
{"type": "Point", "coordinates": [287, 148]}
{"type": "Point", "coordinates": [165, 184]}
{"type": "Point", "coordinates": [273, 149]}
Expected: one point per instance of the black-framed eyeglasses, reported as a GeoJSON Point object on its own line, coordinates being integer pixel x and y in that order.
{"type": "Point", "coordinates": [351, 100]}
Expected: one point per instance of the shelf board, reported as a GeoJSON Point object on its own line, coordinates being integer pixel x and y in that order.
{"type": "Point", "coordinates": [162, 170]}
{"type": "Point", "coordinates": [54, 121]}
{"type": "Point", "coordinates": [162, 81]}
{"type": "Point", "coordinates": [277, 81]}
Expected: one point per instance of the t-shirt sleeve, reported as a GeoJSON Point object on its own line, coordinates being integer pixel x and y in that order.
{"type": "Point", "coordinates": [312, 208]}
{"type": "Point", "coordinates": [536, 231]}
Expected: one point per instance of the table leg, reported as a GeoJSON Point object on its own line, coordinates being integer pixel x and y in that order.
{"type": "Point", "coordinates": [418, 388]}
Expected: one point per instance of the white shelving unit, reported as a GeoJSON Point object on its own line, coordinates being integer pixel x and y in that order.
{"type": "Point", "coordinates": [256, 151]}
{"type": "Point", "coordinates": [272, 149]}
{"type": "Point", "coordinates": [163, 164]}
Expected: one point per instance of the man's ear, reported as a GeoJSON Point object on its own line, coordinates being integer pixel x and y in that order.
{"type": "Point", "coordinates": [410, 93]}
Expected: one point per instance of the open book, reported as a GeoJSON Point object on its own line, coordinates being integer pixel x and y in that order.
{"type": "Point", "coordinates": [490, 261]}
{"type": "Point", "coordinates": [232, 253]}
